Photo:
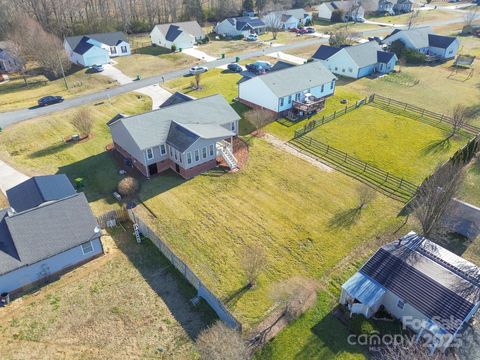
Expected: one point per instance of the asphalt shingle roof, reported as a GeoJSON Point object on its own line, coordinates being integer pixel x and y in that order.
{"type": "Point", "coordinates": [246, 21]}
{"type": "Point", "coordinates": [364, 54]}
{"type": "Point", "coordinates": [45, 231]}
{"type": "Point", "coordinates": [38, 190]}
{"type": "Point", "coordinates": [172, 30]}
{"type": "Point", "coordinates": [176, 98]}
{"type": "Point", "coordinates": [440, 41]}
{"type": "Point", "coordinates": [325, 51]}
{"type": "Point", "coordinates": [384, 56]}
{"type": "Point", "coordinates": [110, 39]}
{"type": "Point", "coordinates": [297, 78]}
{"type": "Point", "coordinates": [180, 138]}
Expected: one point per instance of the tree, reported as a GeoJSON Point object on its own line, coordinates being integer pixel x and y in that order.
{"type": "Point", "coordinates": [198, 80]}
{"type": "Point", "coordinates": [295, 296]}
{"type": "Point", "coordinates": [413, 18]}
{"type": "Point", "coordinates": [260, 5]}
{"type": "Point", "coordinates": [471, 16]}
{"type": "Point", "coordinates": [82, 121]}
{"type": "Point", "coordinates": [338, 16]}
{"type": "Point", "coordinates": [248, 5]}
{"type": "Point", "coordinates": [259, 118]}
{"type": "Point", "coordinates": [192, 10]}
{"type": "Point", "coordinates": [340, 37]}
{"type": "Point", "coordinates": [253, 261]}
{"type": "Point", "coordinates": [128, 187]}
{"type": "Point", "coordinates": [410, 350]}
{"type": "Point", "coordinates": [354, 10]}
{"type": "Point", "coordinates": [366, 195]}
{"type": "Point", "coordinates": [459, 118]}
{"type": "Point", "coordinates": [219, 342]}
{"type": "Point", "coordinates": [397, 47]}
{"type": "Point", "coordinates": [273, 23]}
{"type": "Point", "coordinates": [433, 200]}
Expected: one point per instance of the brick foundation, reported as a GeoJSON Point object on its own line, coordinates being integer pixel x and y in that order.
{"type": "Point", "coordinates": [138, 165]}
{"type": "Point", "coordinates": [189, 173]}
{"type": "Point", "coordinates": [255, 106]}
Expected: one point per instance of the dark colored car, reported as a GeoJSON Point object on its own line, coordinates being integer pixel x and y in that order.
{"type": "Point", "coordinates": [310, 30]}
{"type": "Point", "coordinates": [97, 68]}
{"type": "Point", "coordinates": [257, 69]}
{"type": "Point", "coordinates": [49, 100]}
{"type": "Point", "coordinates": [302, 31]}
{"type": "Point", "coordinates": [293, 30]}
{"type": "Point", "coordinates": [234, 67]}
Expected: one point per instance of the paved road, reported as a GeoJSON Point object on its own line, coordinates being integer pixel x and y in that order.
{"type": "Point", "coordinates": [12, 117]}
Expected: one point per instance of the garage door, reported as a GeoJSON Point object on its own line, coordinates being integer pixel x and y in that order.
{"type": "Point", "coordinates": [96, 60]}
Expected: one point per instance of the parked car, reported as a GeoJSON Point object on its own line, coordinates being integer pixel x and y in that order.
{"type": "Point", "coordinates": [198, 70]}
{"type": "Point", "coordinates": [252, 37]}
{"type": "Point", "coordinates": [234, 67]}
{"type": "Point", "coordinates": [256, 69]}
{"type": "Point", "coordinates": [310, 30]}
{"type": "Point", "coordinates": [49, 100]}
{"type": "Point", "coordinates": [302, 31]}
{"type": "Point", "coordinates": [97, 68]}
{"type": "Point", "coordinates": [264, 64]}
{"type": "Point", "coordinates": [293, 30]}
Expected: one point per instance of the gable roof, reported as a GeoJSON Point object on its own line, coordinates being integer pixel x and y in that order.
{"type": "Point", "coordinates": [44, 231]}
{"type": "Point", "coordinates": [430, 278]}
{"type": "Point", "coordinates": [299, 14]}
{"type": "Point", "coordinates": [385, 56]}
{"type": "Point", "coordinates": [176, 98]}
{"type": "Point", "coordinates": [152, 128]}
{"type": "Point", "coordinates": [298, 78]}
{"type": "Point", "coordinates": [110, 39]}
{"type": "Point", "coordinates": [38, 190]}
{"type": "Point", "coordinates": [325, 51]}
{"type": "Point", "coordinates": [340, 5]}
{"type": "Point", "coordinates": [173, 30]}
{"type": "Point", "coordinates": [418, 37]}
{"type": "Point", "coordinates": [243, 22]}
{"type": "Point", "coordinates": [281, 65]}
{"type": "Point", "coordinates": [364, 54]}
{"type": "Point", "coordinates": [440, 41]}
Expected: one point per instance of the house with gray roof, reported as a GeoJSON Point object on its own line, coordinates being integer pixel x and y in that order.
{"type": "Point", "coordinates": [240, 26]}
{"type": "Point", "coordinates": [48, 229]}
{"type": "Point", "coordinates": [183, 35]}
{"type": "Point", "coordinates": [356, 61]}
{"type": "Point", "coordinates": [187, 137]}
{"type": "Point", "coordinates": [351, 10]}
{"type": "Point", "coordinates": [294, 91]}
{"type": "Point", "coordinates": [434, 292]}
{"type": "Point", "coordinates": [291, 19]}
{"type": "Point", "coordinates": [96, 49]}
{"type": "Point", "coordinates": [424, 40]}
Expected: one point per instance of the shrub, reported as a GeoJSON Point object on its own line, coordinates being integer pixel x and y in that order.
{"type": "Point", "coordinates": [128, 187]}
{"type": "Point", "coordinates": [414, 57]}
{"type": "Point", "coordinates": [82, 121]}
{"type": "Point", "coordinates": [361, 325]}
{"type": "Point", "coordinates": [174, 48]}
{"type": "Point", "coordinates": [338, 15]}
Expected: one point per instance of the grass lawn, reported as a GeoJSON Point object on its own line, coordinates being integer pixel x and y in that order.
{"type": "Point", "coordinates": [130, 303]}
{"type": "Point", "coordinates": [424, 16]}
{"type": "Point", "coordinates": [438, 92]}
{"type": "Point", "coordinates": [37, 147]}
{"type": "Point", "coordinates": [407, 148]}
{"type": "Point", "coordinates": [229, 47]}
{"type": "Point", "coordinates": [470, 191]}
{"type": "Point", "coordinates": [153, 60]}
{"type": "Point", "coordinates": [14, 94]}
{"type": "Point", "coordinates": [208, 220]}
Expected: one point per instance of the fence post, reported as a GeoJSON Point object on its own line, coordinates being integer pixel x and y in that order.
{"type": "Point", "coordinates": [441, 119]}
{"type": "Point", "coordinates": [346, 109]}
{"type": "Point", "coordinates": [310, 141]}
{"type": "Point", "coordinates": [323, 119]}
{"type": "Point", "coordinates": [401, 182]}
{"type": "Point", "coordinates": [346, 156]}
{"type": "Point", "coordinates": [365, 167]}
{"type": "Point", "coordinates": [328, 147]}
{"type": "Point", "coordinates": [423, 112]}
{"type": "Point", "coordinates": [335, 114]}
{"type": "Point", "coordinates": [386, 177]}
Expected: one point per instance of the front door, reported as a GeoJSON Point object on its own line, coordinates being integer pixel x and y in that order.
{"type": "Point", "coordinates": [152, 169]}
{"type": "Point", "coordinates": [177, 168]}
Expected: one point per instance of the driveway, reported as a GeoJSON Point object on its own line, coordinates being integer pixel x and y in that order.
{"type": "Point", "coordinates": [287, 57]}
{"type": "Point", "coordinates": [198, 54]}
{"type": "Point", "coordinates": [9, 177]}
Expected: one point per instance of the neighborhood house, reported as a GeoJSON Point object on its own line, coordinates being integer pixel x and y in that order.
{"type": "Point", "coordinates": [240, 26]}
{"type": "Point", "coordinates": [49, 228]}
{"type": "Point", "coordinates": [186, 137]}
{"type": "Point", "coordinates": [433, 291]}
{"type": "Point", "coordinates": [424, 40]}
{"type": "Point", "coordinates": [8, 61]}
{"type": "Point", "coordinates": [394, 7]}
{"type": "Point", "coordinates": [183, 35]}
{"type": "Point", "coordinates": [291, 19]}
{"type": "Point", "coordinates": [356, 61]}
{"type": "Point", "coordinates": [96, 49]}
{"type": "Point", "coordinates": [350, 10]}
{"type": "Point", "coordinates": [294, 91]}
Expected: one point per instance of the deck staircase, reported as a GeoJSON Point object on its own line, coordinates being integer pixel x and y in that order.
{"type": "Point", "coordinates": [228, 157]}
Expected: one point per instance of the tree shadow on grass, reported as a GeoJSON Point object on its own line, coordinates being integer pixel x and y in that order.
{"type": "Point", "coordinates": [50, 150]}
{"type": "Point", "coordinates": [232, 299]}
{"type": "Point", "coordinates": [437, 146]}
{"type": "Point", "coordinates": [154, 50]}
{"type": "Point", "coordinates": [345, 219]}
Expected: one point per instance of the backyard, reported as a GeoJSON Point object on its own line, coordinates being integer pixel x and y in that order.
{"type": "Point", "coordinates": [37, 147]}
{"type": "Point", "coordinates": [470, 191]}
{"type": "Point", "coordinates": [15, 94]}
{"type": "Point", "coordinates": [130, 303]}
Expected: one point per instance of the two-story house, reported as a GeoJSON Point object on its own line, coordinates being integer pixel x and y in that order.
{"type": "Point", "coordinates": [186, 137]}
{"type": "Point", "coordinates": [96, 49]}
{"type": "Point", "coordinates": [295, 90]}
{"type": "Point", "coordinates": [240, 26]}
{"type": "Point", "coordinates": [356, 61]}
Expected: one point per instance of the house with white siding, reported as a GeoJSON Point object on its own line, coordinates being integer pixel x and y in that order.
{"type": "Point", "coordinates": [300, 90]}
{"type": "Point", "coordinates": [293, 18]}
{"type": "Point", "coordinates": [424, 40]}
{"type": "Point", "coordinates": [356, 61]}
{"type": "Point", "coordinates": [351, 9]}
{"type": "Point", "coordinates": [183, 35]}
{"type": "Point", "coordinates": [187, 136]}
{"type": "Point", "coordinates": [240, 26]}
{"type": "Point", "coordinates": [48, 229]}
{"type": "Point", "coordinates": [96, 49]}
{"type": "Point", "coordinates": [434, 292]}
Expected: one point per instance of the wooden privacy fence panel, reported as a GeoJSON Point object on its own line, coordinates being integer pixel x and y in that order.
{"type": "Point", "coordinates": [115, 215]}
{"type": "Point", "coordinates": [389, 184]}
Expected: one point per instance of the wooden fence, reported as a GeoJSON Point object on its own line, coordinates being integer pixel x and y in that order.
{"type": "Point", "coordinates": [389, 184]}
{"type": "Point", "coordinates": [114, 216]}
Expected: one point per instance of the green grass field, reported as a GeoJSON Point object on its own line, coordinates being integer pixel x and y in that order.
{"type": "Point", "coordinates": [15, 94]}
{"type": "Point", "coordinates": [402, 146]}
{"type": "Point", "coordinates": [37, 147]}
{"type": "Point", "coordinates": [470, 191]}
{"type": "Point", "coordinates": [208, 220]}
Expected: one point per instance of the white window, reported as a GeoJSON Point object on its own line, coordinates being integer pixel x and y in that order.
{"type": "Point", "coordinates": [336, 68]}
{"type": "Point", "coordinates": [332, 84]}
{"type": "Point", "coordinates": [162, 149]}
{"type": "Point", "coordinates": [323, 88]}
{"type": "Point", "coordinates": [212, 149]}
{"type": "Point", "coordinates": [124, 49]}
{"type": "Point", "coordinates": [87, 248]}
{"type": "Point", "coordinates": [113, 50]}
{"type": "Point", "coordinates": [233, 126]}
{"type": "Point", "coordinates": [149, 154]}
{"type": "Point", "coordinates": [343, 70]}
{"type": "Point", "coordinates": [401, 304]}
{"type": "Point", "coordinates": [171, 152]}
{"type": "Point", "coordinates": [197, 155]}
{"type": "Point", "coordinates": [189, 158]}
{"type": "Point", "coordinates": [204, 152]}
{"type": "Point", "coordinates": [281, 102]}
{"type": "Point", "coordinates": [176, 154]}
{"type": "Point", "coordinates": [350, 70]}
{"type": "Point", "coordinates": [290, 99]}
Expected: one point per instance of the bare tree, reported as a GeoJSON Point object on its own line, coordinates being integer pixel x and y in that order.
{"type": "Point", "coordinates": [354, 10]}
{"type": "Point", "coordinates": [219, 342]}
{"type": "Point", "coordinates": [253, 261]}
{"type": "Point", "coordinates": [295, 296]}
{"type": "Point", "coordinates": [128, 187]}
{"type": "Point", "coordinates": [197, 82]}
{"type": "Point", "coordinates": [340, 37]}
{"type": "Point", "coordinates": [413, 18]}
{"type": "Point", "coordinates": [433, 200]}
{"type": "Point", "coordinates": [82, 121]}
{"type": "Point", "coordinates": [417, 351]}
{"type": "Point", "coordinates": [259, 118]}
{"type": "Point", "coordinates": [366, 195]}
{"type": "Point", "coordinates": [273, 23]}
{"type": "Point", "coordinates": [459, 118]}
{"type": "Point", "coordinates": [471, 16]}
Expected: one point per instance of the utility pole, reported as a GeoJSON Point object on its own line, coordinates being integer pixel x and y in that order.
{"type": "Point", "coordinates": [63, 72]}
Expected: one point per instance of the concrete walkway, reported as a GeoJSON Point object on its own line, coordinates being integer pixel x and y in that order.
{"type": "Point", "coordinates": [9, 177]}
{"type": "Point", "coordinates": [287, 57]}
{"type": "Point", "coordinates": [198, 54]}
